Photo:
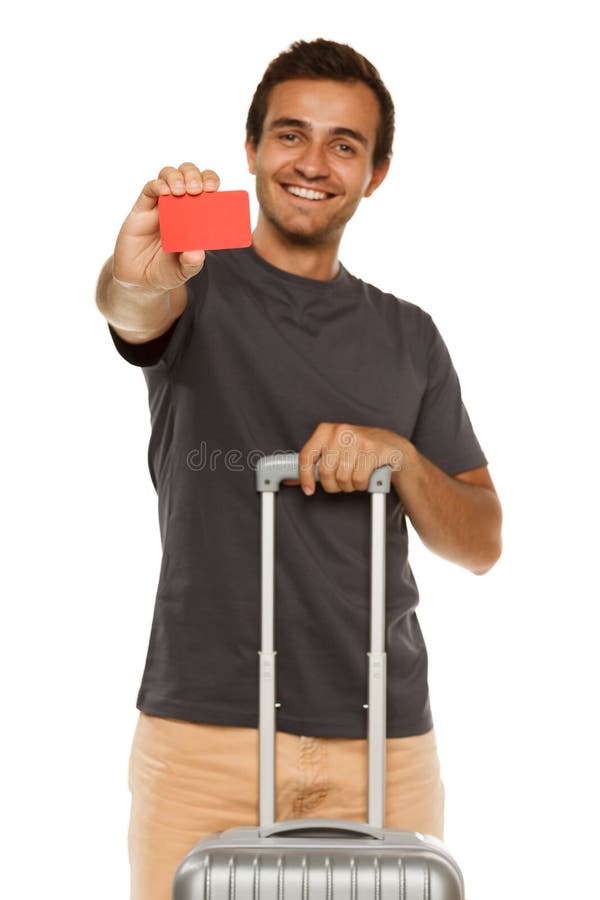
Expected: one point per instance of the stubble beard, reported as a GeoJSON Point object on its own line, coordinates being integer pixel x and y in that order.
{"type": "Point", "coordinates": [329, 233]}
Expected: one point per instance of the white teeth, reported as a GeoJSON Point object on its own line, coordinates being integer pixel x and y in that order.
{"type": "Point", "coordinates": [304, 193]}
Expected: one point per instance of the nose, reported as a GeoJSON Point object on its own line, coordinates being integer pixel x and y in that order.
{"type": "Point", "coordinates": [312, 161]}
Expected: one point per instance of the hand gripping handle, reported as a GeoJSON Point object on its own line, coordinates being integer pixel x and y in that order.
{"type": "Point", "coordinates": [272, 470]}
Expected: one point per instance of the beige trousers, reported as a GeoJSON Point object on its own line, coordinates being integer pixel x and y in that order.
{"type": "Point", "coordinates": [188, 780]}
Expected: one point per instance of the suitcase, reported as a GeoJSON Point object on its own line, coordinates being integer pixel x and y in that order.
{"type": "Point", "coordinates": [319, 859]}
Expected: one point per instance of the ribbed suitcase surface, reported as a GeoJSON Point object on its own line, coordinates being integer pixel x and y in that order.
{"type": "Point", "coordinates": [239, 865]}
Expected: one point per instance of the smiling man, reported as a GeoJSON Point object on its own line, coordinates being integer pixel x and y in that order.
{"type": "Point", "coordinates": [278, 347]}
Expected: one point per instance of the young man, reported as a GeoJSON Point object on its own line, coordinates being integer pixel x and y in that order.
{"type": "Point", "coordinates": [278, 347]}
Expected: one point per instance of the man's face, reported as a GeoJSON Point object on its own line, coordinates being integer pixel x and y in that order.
{"type": "Point", "coordinates": [313, 163]}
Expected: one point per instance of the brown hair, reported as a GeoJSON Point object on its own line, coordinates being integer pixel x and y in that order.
{"type": "Point", "coordinates": [324, 59]}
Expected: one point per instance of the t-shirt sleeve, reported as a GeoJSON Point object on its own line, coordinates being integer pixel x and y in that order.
{"type": "Point", "coordinates": [167, 347]}
{"type": "Point", "coordinates": [149, 353]}
{"type": "Point", "coordinates": [443, 432]}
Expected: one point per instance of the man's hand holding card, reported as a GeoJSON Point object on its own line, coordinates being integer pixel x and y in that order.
{"type": "Point", "coordinates": [175, 219]}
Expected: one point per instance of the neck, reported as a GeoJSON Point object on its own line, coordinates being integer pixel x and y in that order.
{"type": "Point", "coordinates": [318, 261]}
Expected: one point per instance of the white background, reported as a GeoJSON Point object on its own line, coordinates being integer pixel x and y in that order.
{"type": "Point", "coordinates": [488, 219]}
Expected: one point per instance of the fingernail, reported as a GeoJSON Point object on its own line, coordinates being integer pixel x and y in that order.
{"type": "Point", "coordinates": [308, 490]}
{"type": "Point", "coordinates": [211, 184]}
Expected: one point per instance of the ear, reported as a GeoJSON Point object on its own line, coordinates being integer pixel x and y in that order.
{"type": "Point", "coordinates": [251, 156]}
{"type": "Point", "coordinates": [377, 177]}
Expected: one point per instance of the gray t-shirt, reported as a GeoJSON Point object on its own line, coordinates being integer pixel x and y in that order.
{"type": "Point", "coordinates": [256, 361]}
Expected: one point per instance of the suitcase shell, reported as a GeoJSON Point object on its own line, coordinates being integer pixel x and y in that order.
{"type": "Point", "coordinates": [240, 865]}
{"type": "Point", "coordinates": [319, 859]}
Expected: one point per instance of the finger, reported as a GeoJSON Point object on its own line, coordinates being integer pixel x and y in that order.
{"type": "Point", "coordinates": [192, 177]}
{"type": "Point", "coordinates": [174, 178]}
{"type": "Point", "coordinates": [344, 475]}
{"type": "Point", "coordinates": [307, 458]}
{"type": "Point", "coordinates": [360, 475]}
{"type": "Point", "coordinates": [210, 180]}
{"type": "Point", "coordinates": [328, 468]}
{"type": "Point", "coordinates": [151, 191]}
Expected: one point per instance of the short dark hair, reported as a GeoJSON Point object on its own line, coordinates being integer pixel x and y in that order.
{"type": "Point", "coordinates": [328, 60]}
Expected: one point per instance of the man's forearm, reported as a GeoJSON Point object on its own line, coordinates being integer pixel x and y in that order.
{"type": "Point", "coordinates": [136, 313]}
{"type": "Point", "coordinates": [460, 522]}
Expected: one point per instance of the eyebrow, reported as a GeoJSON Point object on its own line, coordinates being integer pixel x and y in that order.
{"type": "Point", "coordinates": [284, 122]}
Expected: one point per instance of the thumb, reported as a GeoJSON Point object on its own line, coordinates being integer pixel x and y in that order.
{"type": "Point", "coordinates": [191, 262]}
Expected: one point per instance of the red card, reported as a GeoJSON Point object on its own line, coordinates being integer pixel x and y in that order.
{"type": "Point", "coordinates": [212, 220]}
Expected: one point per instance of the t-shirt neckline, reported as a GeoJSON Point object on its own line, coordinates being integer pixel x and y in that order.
{"type": "Point", "coordinates": [313, 284]}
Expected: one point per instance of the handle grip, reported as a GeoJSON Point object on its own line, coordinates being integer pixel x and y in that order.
{"type": "Point", "coordinates": [327, 828]}
{"type": "Point", "coordinates": [272, 470]}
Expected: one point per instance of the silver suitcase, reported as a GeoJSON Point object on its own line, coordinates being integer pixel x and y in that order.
{"type": "Point", "coordinates": [319, 859]}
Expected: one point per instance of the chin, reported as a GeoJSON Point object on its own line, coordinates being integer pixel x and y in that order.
{"type": "Point", "coordinates": [305, 239]}
{"type": "Point", "coordinates": [307, 236]}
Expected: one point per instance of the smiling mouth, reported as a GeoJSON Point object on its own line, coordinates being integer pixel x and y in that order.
{"type": "Point", "coordinates": [306, 193]}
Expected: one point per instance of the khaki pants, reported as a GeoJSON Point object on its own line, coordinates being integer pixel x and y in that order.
{"type": "Point", "coordinates": [188, 780]}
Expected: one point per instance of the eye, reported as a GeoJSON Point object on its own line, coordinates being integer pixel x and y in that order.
{"type": "Point", "coordinates": [345, 149]}
{"type": "Point", "coordinates": [289, 138]}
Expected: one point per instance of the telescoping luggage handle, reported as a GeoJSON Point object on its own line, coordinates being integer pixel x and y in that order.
{"type": "Point", "coordinates": [271, 471]}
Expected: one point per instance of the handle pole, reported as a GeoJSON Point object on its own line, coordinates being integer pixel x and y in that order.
{"type": "Point", "coordinates": [266, 717]}
{"type": "Point", "coordinates": [377, 666]}
{"type": "Point", "coordinates": [270, 472]}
